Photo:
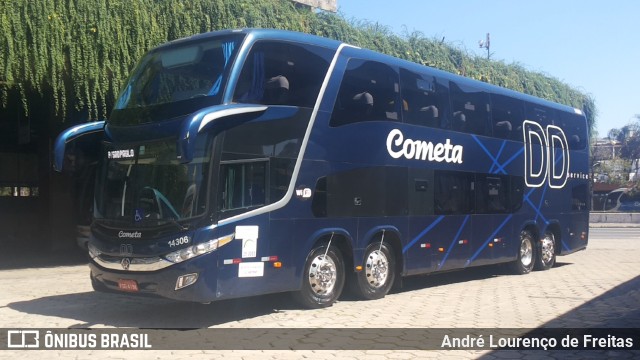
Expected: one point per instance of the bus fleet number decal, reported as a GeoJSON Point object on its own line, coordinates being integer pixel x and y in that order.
{"type": "Point", "coordinates": [179, 241]}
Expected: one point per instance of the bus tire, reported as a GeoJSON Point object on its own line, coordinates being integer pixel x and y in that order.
{"type": "Point", "coordinates": [526, 254]}
{"type": "Point", "coordinates": [546, 252]}
{"type": "Point", "coordinates": [378, 273]}
{"type": "Point", "coordinates": [323, 278]}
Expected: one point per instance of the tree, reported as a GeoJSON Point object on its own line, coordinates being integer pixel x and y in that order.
{"type": "Point", "coordinates": [613, 134]}
{"type": "Point", "coordinates": [630, 140]}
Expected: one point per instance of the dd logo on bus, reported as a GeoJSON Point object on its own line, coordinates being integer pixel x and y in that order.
{"type": "Point", "coordinates": [546, 155]}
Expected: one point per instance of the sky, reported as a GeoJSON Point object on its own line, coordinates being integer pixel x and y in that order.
{"type": "Point", "coordinates": [592, 45]}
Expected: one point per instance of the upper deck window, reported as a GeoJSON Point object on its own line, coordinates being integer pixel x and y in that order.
{"type": "Point", "coordinates": [542, 115]}
{"type": "Point", "coordinates": [425, 99]}
{"type": "Point", "coordinates": [575, 128]}
{"type": "Point", "coordinates": [507, 115]}
{"type": "Point", "coordinates": [282, 73]}
{"type": "Point", "coordinates": [176, 80]}
{"type": "Point", "coordinates": [470, 109]}
{"type": "Point", "coordinates": [369, 91]}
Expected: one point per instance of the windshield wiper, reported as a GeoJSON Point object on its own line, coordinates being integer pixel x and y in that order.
{"type": "Point", "coordinates": [162, 222]}
{"type": "Point", "coordinates": [113, 223]}
{"type": "Point", "coordinates": [176, 223]}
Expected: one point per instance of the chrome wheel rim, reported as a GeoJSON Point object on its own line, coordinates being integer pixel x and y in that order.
{"type": "Point", "coordinates": [322, 274]}
{"type": "Point", "coordinates": [526, 252]}
{"type": "Point", "coordinates": [547, 249]}
{"type": "Point", "coordinates": [377, 269]}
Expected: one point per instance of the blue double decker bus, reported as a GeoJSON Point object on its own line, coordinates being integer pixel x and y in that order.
{"type": "Point", "coordinates": [239, 163]}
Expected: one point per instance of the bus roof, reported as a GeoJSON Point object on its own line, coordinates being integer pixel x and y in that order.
{"type": "Point", "coordinates": [285, 35]}
{"type": "Point", "coordinates": [262, 34]}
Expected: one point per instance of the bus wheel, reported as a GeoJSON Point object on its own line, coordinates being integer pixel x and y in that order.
{"type": "Point", "coordinates": [323, 278]}
{"type": "Point", "coordinates": [524, 262]}
{"type": "Point", "coordinates": [376, 278]}
{"type": "Point", "coordinates": [546, 256]}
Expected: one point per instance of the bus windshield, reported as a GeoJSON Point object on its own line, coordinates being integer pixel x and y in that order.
{"type": "Point", "coordinates": [176, 80]}
{"type": "Point", "coordinates": [145, 185]}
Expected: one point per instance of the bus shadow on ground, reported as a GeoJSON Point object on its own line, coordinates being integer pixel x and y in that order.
{"type": "Point", "coordinates": [617, 308]}
{"type": "Point", "coordinates": [616, 312]}
{"type": "Point", "coordinates": [459, 276]}
{"type": "Point", "coordinates": [95, 309]}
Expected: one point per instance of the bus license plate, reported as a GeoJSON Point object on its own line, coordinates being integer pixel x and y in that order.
{"type": "Point", "coordinates": [127, 285]}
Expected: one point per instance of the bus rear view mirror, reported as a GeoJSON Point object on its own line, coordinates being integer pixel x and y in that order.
{"type": "Point", "coordinates": [213, 120]}
{"type": "Point", "coordinates": [70, 135]}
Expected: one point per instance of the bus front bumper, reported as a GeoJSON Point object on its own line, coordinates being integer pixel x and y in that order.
{"type": "Point", "coordinates": [192, 280]}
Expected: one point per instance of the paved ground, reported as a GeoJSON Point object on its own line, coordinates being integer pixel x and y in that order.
{"type": "Point", "coordinates": [597, 288]}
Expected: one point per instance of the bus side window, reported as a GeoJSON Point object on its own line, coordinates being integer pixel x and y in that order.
{"type": "Point", "coordinates": [243, 185]}
{"type": "Point", "coordinates": [278, 73]}
{"type": "Point", "coordinates": [424, 98]}
{"type": "Point", "coordinates": [492, 194]}
{"type": "Point", "coordinates": [470, 109]}
{"type": "Point", "coordinates": [369, 91]}
{"type": "Point", "coordinates": [257, 160]}
{"type": "Point", "coordinates": [507, 115]}
{"type": "Point", "coordinates": [542, 115]}
{"type": "Point", "coordinates": [452, 191]}
{"type": "Point", "coordinates": [575, 128]}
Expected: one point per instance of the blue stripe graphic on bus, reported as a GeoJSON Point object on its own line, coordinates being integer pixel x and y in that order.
{"type": "Point", "coordinates": [539, 206]}
{"type": "Point", "coordinates": [504, 142]}
{"type": "Point", "coordinates": [489, 239]}
{"type": "Point", "coordinates": [538, 212]}
{"type": "Point", "coordinates": [453, 243]}
{"type": "Point", "coordinates": [499, 168]}
{"type": "Point", "coordinates": [423, 233]}
{"type": "Point", "coordinates": [509, 160]}
{"type": "Point", "coordinates": [493, 159]}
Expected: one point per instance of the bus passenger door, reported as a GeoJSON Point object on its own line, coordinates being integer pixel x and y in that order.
{"type": "Point", "coordinates": [421, 220]}
{"type": "Point", "coordinates": [496, 198]}
{"type": "Point", "coordinates": [453, 202]}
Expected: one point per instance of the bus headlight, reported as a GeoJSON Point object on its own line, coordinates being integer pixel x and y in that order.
{"type": "Point", "coordinates": [197, 250]}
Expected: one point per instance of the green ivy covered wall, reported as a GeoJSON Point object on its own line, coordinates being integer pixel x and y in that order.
{"type": "Point", "coordinates": [74, 55]}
